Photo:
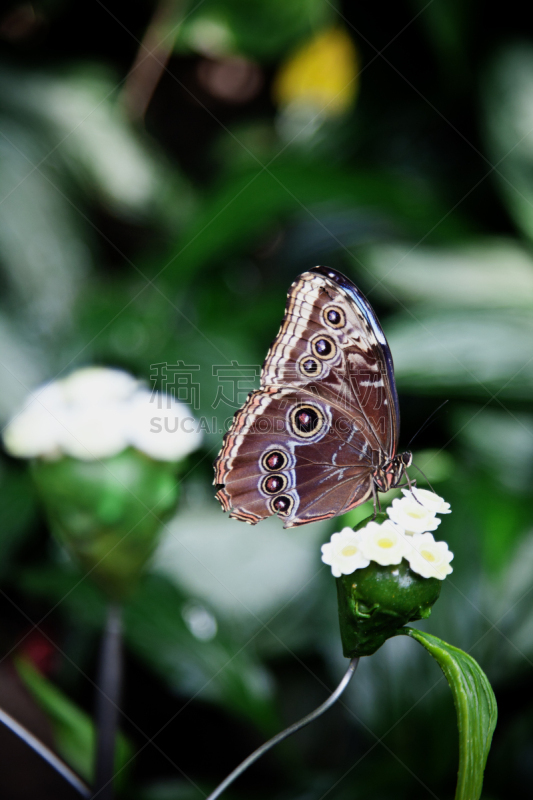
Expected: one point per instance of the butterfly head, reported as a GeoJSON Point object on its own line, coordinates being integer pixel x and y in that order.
{"type": "Point", "coordinates": [389, 475]}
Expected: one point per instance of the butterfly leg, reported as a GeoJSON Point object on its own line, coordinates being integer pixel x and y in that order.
{"type": "Point", "coordinates": [375, 498]}
{"type": "Point", "coordinates": [410, 483]}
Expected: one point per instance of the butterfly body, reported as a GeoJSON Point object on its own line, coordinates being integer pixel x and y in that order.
{"type": "Point", "coordinates": [320, 435]}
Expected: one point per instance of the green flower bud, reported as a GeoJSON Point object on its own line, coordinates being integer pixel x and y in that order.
{"type": "Point", "coordinates": [108, 513]}
{"type": "Point", "coordinates": [374, 602]}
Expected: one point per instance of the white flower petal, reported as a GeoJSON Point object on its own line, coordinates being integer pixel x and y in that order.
{"type": "Point", "coordinates": [49, 396]}
{"type": "Point", "coordinates": [161, 427]}
{"type": "Point", "coordinates": [385, 544]}
{"type": "Point", "coordinates": [34, 432]}
{"type": "Point", "coordinates": [412, 516]}
{"type": "Point", "coordinates": [429, 500]}
{"type": "Point", "coordinates": [97, 386]}
{"type": "Point", "coordinates": [429, 558]}
{"type": "Point", "coordinates": [96, 413]}
{"type": "Point", "coordinates": [93, 432]}
{"type": "Point", "coordinates": [343, 553]}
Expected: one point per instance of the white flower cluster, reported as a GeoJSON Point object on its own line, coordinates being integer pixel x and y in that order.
{"type": "Point", "coordinates": [405, 535]}
{"type": "Point", "coordinates": [97, 412]}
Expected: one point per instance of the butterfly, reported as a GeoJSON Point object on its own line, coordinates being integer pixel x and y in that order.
{"type": "Point", "coordinates": [320, 435]}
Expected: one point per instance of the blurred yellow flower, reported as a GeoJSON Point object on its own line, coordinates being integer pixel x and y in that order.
{"type": "Point", "coordinates": [323, 73]}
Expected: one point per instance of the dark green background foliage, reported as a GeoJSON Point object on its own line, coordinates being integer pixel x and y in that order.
{"type": "Point", "coordinates": [133, 243]}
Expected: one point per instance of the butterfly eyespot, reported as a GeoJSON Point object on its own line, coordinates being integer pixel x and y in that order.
{"type": "Point", "coordinates": [310, 367]}
{"type": "Point", "coordinates": [273, 484]}
{"type": "Point", "coordinates": [306, 421]}
{"type": "Point", "coordinates": [274, 460]}
{"type": "Point", "coordinates": [282, 504]}
{"type": "Point", "coordinates": [323, 347]}
{"type": "Point", "coordinates": [334, 317]}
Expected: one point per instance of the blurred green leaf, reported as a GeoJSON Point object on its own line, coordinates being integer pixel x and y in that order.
{"type": "Point", "coordinates": [180, 636]}
{"type": "Point", "coordinates": [435, 466]}
{"type": "Point", "coordinates": [42, 248]}
{"type": "Point", "coordinates": [90, 140]}
{"type": "Point", "coordinates": [508, 102]}
{"type": "Point", "coordinates": [236, 570]}
{"type": "Point", "coordinates": [17, 514]}
{"type": "Point", "coordinates": [481, 273]}
{"type": "Point", "coordinates": [262, 30]}
{"type": "Point", "coordinates": [476, 353]}
{"type": "Point", "coordinates": [508, 600]}
{"type": "Point", "coordinates": [246, 205]}
{"type": "Point", "coordinates": [502, 440]}
{"type": "Point", "coordinates": [22, 365]}
{"type": "Point", "coordinates": [160, 628]}
{"type": "Point", "coordinates": [447, 22]}
{"type": "Point", "coordinates": [476, 710]}
{"type": "Point", "coordinates": [73, 729]}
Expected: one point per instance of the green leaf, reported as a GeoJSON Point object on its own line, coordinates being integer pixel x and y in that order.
{"type": "Point", "coordinates": [223, 669]}
{"type": "Point", "coordinates": [461, 351]}
{"type": "Point", "coordinates": [17, 512]}
{"type": "Point", "coordinates": [248, 204]}
{"type": "Point", "coordinates": [476, 710]}
{"type": "Point", "coordinates": [482, 272]}
{"type": "Point", "coordinates": [73, 729]}
{"type": "Point", "coordinates": [507, 100]}
{"type": "Point", "coordinates": [263, 30]}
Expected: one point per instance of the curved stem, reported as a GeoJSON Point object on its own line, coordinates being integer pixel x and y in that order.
{"type": "Point", "coordinates": [296, 726]}
{"type": "Point", "coordinates": [152, 57]}
{"type": "Point", "coordinates": [41, 749]}
{"type": "Point", "coordinates": [109, 685]}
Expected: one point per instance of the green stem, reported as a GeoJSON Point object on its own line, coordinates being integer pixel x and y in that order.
{"type": "Point", "coordinates": [296, 726]}
{"type": "Point", "coordinates": [109, 687]}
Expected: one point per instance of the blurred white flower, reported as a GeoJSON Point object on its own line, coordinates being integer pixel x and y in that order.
{"type": "Point", "coordinates": [97, 412]}
{"type": "Point", "coordinates": [343, 553]}
{"type": "Point", "coordinates": [33, 432]}
{"type": "Point", "coordinates": [412, 516]}
{"type": "Point", "coordinates": [429, 558]}
{"type": "Point", "coordinates": [385, 544]}
{"type": "Point", "coordinates": [95, 431]}
{"type": "Point", "coordinates": [161, 427]}
{"type": "Point", "coordinates": [429, 500]}
{"type": "Point", "coordinates": [92, 386]}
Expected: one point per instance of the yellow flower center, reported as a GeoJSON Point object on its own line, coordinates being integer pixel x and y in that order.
{"type": "Point", "coordinates": [349, 550]}
{"type": "Point", "coordinates": [428, 555]}
{"type": "Point", "coordinates": [385, 543]}
{"type": "Point", "coordinates": [418, 513]}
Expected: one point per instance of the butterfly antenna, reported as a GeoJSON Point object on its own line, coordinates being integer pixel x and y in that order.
{"type": "Point", "coordinates": [426, 423]}
{"type": "Point", "coordinates": [426, 478]}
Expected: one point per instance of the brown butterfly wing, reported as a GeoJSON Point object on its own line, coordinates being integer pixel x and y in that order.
{"type": "Point", "coordinates": [295, 456]}
{"type": "Point", "coordinates": [357, 374]}
{"type": "Point", "coordinates": [330, 360]}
